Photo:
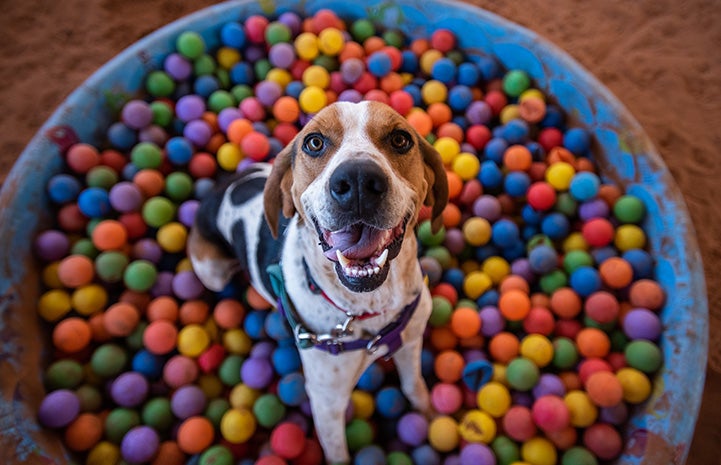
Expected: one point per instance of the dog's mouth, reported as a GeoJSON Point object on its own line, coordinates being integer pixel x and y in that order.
{"type": "Point", "coordinates": [362, 253]}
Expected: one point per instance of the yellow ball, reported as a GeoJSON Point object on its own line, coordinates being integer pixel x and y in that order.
{"type": "Point", "coordinates": [236, 341]}
{"type": "Point", "coordinates": [280, 76]}
{"type": "Point", "coordinates": [331, 41]}
{"type": "Point", "coordinates": [211, 386]}
{"type": "Point", "coordinates": [184, 265]}
{"type": "Point", "coordinates": [509, 113]}
{"type": "Point", "coordinates": [312, 99]}
{"type": "Point", "coordinates": [539, 451]}
{"type": "Point", "coordinates": [499, 374]}
{"type": "Point", "coordinates": [636, 385]}
{"type": "Point", "coordinates": [243, 396]}
{"type": "Point", "coordinates": [103, 453]}
{"type": "Point", "coordinates": [583, 411]}
{"type": "Point", "coordinates": [531, 93]}
{"type": "Point", "coordinates": [50, 276]}
{"type": "Point", "coordinates": [306, 46]}
{"type": "Point", "coordinates": [448, 148]}
{"type": "Point", "coordinates": [538, 349]}
{"type": "Point", "coordinates": [363, 404]}
{"type": "Point", "coordinates": [478, 426]}
{"type": "Point", "coordinates": [574, 241]}
{"type": "Point", "coordinates": [428, 59]}
{"type": "Point", "coordinates": [466, 165]}
{"type": "Point", "coordinates": [477, 231]}
{"type": "Point", "coordinates": [54, 304]}
{"type": "Point", "coordinates": [476, 283]}
{"type": "Point", "coordinates": [629, 236]}
{"type": "Point", "coordinates": [237, 425]}
{"type": "Point", "coordinates": [559, 175]}
{"type": "Point", "coordinates": [227, 57]}
{"type": "Point", "coordinates": [434, 92]}
{"type": "Point", "coordinates": [89, 299]}
{"type": "Point", "coordinates": [443, 433]}
{"type": "Point", "coordinates": [316, 75]}
{"type": "Point", "coordinates": [494, 399]}
{"type": "Point", "coordinates": [172, 237]}
{"type": "Point", "coordinates": [229, 156]}
{"type": "Point", "coordinates": [496, 268]}
{"type": "Point", "coordinates": [193, 340]}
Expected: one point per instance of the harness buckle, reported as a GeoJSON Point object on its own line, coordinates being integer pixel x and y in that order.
{"type": "Point", "coordinates": [374, 344]}
{"type": "Point", "coordinates": [303, 338]}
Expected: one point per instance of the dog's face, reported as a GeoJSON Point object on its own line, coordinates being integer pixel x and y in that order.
{"type": "Point", "coordinates": [358, 174]}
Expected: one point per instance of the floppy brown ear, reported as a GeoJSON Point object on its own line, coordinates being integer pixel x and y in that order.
{"type": "Point", "coordinates": [276, 194]}
{"type": "Point", "coordinates": [435, 174]}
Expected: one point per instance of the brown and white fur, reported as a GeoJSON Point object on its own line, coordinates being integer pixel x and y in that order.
{"type": "Point", "coordinates": [353, 180]}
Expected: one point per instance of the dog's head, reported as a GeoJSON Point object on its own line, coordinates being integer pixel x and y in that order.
{"type": "Point", "coordinates": [358, 174]}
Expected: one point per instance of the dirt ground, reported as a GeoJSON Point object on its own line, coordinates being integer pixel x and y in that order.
{"type": "Point", "coordinates": [662, 59]}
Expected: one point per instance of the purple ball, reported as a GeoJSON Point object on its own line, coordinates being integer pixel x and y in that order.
{"type": "Point", "coordinates": [129, 389]}
{"type": "Point", "coordinates": [454, 241]}
{"type": "Point", "coordinates": [292, 20]}
{"type": "Point", "coordinates": [198, 132]}
{"type": "Point", "coordinates": [412, 429]}
{"type": "Point", "coordinates": [522, 268]}
{"type": "Point", "coordinates": [477, 454]}
{"type": "Point", "coordinates": [147, 249]}
{"type": "Point", "coordinates": [549, 384]}
{"type": "Point", "coordinates": [616, 415]}
{"type": "Point", "coordinates": [186, 212]}
{"type": "Point", "coordinates": [254, 53]}
{"type": "Point", "coordinates": [163, 284]}
{"type": "Point", "coordinates": [453, 459]}
{"type": "Point", "coordinates": [154, 134]}
{"type": "Point", "coordinates": [641, 323]}
{"type": "Point", "coordinates": [190, 107]}
{"type": "Point", "coordinates": [473, 355]}
{"type": "Point", "coordinates": [140, 444]}
{"type": "Point", "coordinates": [479, 112]}
{"type": "Point", "coordinates": [596, 208]}
{"type": "Point", "coordinates": [351, 70]}
{"type": "Point", "coordinates": [493, 322]}
{"type": "Point", "coordinates": [257, 373]}
{"type": "Point", "coordinates": [268, 92]}
{"type": "Point", "coordinates": [522, 398]}
{"type": "Point", "coordinates": [262, 349]}
{"type": "Point", "coordinates": [281, 55]}
{"type": "Point", "coordinates": [227, 116]}
{"type": "Point", "coordinates": [178, 67]}
{"type": "Point", "coordinates": [488, 207]}
{"type": "Point", "coordinates": [59, 408]}
{"type": "Point", "coordinates": [188, 401]}
{"type": "Point", "coordinates": [136, 114]}
{"type": "Point", "coordinates": [52, 245]}
{"type": "Point", "coordinates": [187, 286]}
{"type": "Point", "coordinates": [350, 95]}
{"type": "Point", "coordinates": [126, 197]}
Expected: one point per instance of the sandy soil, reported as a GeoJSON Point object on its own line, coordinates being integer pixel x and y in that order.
{"type": "Point", "coordinates": [662, 59]}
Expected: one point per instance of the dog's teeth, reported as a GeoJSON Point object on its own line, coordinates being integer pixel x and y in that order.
{"type": "Point", "coordinates": [344, 262]}
{"type": "Point", "coordinates": [376, 270]}
{"type": "Point", "coordinates": [382, 258]}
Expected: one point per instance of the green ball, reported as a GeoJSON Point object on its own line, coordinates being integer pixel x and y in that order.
{"type": "Point", "coordinates": [162, 113]}
{"type": "Point", "coordinates": [441, 312]}
{"type": "Point", "coordinates": [85, 247]}
{"type": "Point", "coordinates": [159, 84]}
{"type": "Point", "coordinates": [644, 355]}
{"type": "Point", "coordinates": [241, 92]}
{"type": "Point", "coordinates": [553, 281]}
{"type": "Point", "coordinates": [110, 266]}
{"type": "Point", "coordinates": [427, 237]}
{"type": "Point", "coordinates": [394, 38]}
{"type": "Point", "coordinates": [522, 374]}
{"type": "Point", "coordinates": [441, 254]}
{"type": "Point", "coordinates": [515, 82]}
{"type": "Point", "coordinates": [399, 458]}
{"type": "Point", "coordinates": [108, 360]}
{"type": "Point", "coordinates": [575, 259]}
{"type": "Point", "coordinates": [261, 68]}
{"type": "Point", "coordinates": [101, 176]}
{"type": "Point", "coordinates": [456, 56]}
{"type": "Point", "coordinates": [566, 204]}
{"type": "Point", "coordinates": [329, 63]}
{"type": "Point", "coordinates": [565, 355]}
{"type": "Point", "coordinates": [359, 434]}
{"type": "Point", "coordinates": [277, 32]}
{"type": "Point", "coordinates": [362, 29]}
{"type": "Point", "coordinates": [216, 455]}
{"type": "Point", "coordinates": [506, 450]}
{"type": "Point", "coordinates": [178, 186]}
{"type": "Point", "coordinates": [216, 409]}
{"type": "Point", "coordinates": [146, 155]}
{"type": "Point", "coordinates": [64, 374]}
{"type": "Point", "coordinates": [190, 44]}
{"type": "Point", "coordinates": [220, 99]}
{"type": "Point", "coordinates": [158, 211]}
{"type": "Point", "coordinates": [223, 77]}
{"type": "Point", "coordinates": [591, 323]}
{"type": "Point", "coordinates": [204, 64]}
{"type": "Point", "coordinates": [578, 455]}
{"type": "Point", "coordinates": [140, 275]}
{"type": "Point", "coordinates": [467, 303]}
{"type": "Point", "coordinates": [229, 370]}
{"type": "Point", "coordinates": [629, 209]}
{"type": "Point", "coordinates": [90, 398]}
{"type": "Point", "coordinates": [619, 340]}
{"type": "Point", "coordinates": [118, 422]}
{"type": "Point", "coordinates": [268, 410]}
{"type": "Point", "coordinates": [135, 340]}
{"type": "Point", "coordinates": [158, 414]}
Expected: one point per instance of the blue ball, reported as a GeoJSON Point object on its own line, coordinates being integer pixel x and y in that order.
{"type": "Point", "coordinates": [584, 186]}
{"type": "Point", "coordinates": [490, 175]}
{"type": "Point", "coordinates": [427, 363]}
{"type": "Point", "coordinates": [555, 225]}
{"type": "Point", "coordinates": [516, 183]}
{"type": "Point", "coordinates": [495, 148]}
{"type": "Point", "coordinates": [426, 455]}
{"type": "Point", "coordinates": [490, 297]}
{"type": "Point", "coordinates": [129, 171]}
{"type": "Point", "coordinates": [585, 280]}
{"type": "Point", "coordinates": [444, 70]}
{"type": "Point", "coordinates": [485, 251]}
{"type": "Point", "coordinates": [459, 97]}
{"type": "Point", "coordinates": [554, 118]}
{"type": "Point", "coordinates": [242, 73]}
{"type": "Point", "coordinates": [487, 66]}
{"type": "Point", "coordinates": [179, 150]}
{"type": "Point", "coordinates": [468, 74]}
{"type": "Point", "coordinates": [515, 131]}
{"type": "Point", "coordinates": [148, 364]}
{"type": "Point", "coordinates": [121, 136]}
{"type": "Point", "coordinates": [538, 153]}
{"type": "Point", "coordinates": [232, 35]}
{"type": "Point", "coordinates": [409, 62]}
{"type": "Point", "coordinates": [291, 389]}
{"type": "Point", "coordinates": [277, 327]}
{"type": "Point", "coordinates": [531, 216]}
{"type": "Point", "coordinates": [641, 263]}
{"type": "Point", "coordinates": [286, 359]}
{"type": "Point", "coordinates": [294, 88]}
{"type": "Point", "coordinates": [477, 373]}
{"type": "Point", "coordinates": [454, 277]}
{"type": "Point", "coordinates": [254, 324]}
{"type": "Point", "coordinates": [462, 122]}
{"type": "Point", "coordinates": [415, 91]}
{"type": "Point", "coordinates": [94, 202]}
{"type": "Point", "coordinates": [370, 455]}
{"type": "Point", "coordinates": [205, 85]}
{"type": "Point", "coordinates": [505, 233]}
{"type": "Point", "coordinates": [577, 140]}
{"type": "Point", "coordinates": [379, 64]}
{"type": "Point", "coordinates": [372, 378]}
{"type": "Point", "coordinates": [514, 252]}
{"type": "Point", "coordinates": [543, 259]}
{"type": "Point", "coordinates": [601, 254]}
{"type": "Point", "coordinates": [63, 188]}
{"type": "Point", "coordinates": [390, 402]}
{"type": "Point", "coordinates": [528, 231]}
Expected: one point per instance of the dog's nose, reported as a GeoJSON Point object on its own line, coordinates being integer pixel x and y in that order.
{"type": "Point", "coordinates": [358, 186]}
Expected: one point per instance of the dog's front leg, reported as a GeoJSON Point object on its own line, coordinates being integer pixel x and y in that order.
{"type": "Point", "coordinates": [408, 364]}
{"type": "Point", "coordinates": [329, 381]}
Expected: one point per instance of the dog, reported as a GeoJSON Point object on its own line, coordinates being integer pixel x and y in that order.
{"type": "Point", "coordinates": [340, 204]}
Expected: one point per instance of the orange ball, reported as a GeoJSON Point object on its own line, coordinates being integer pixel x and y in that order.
{"type": "Point", "coordinates": [647, 293]}
{"type": "Point", "coordinates": [451, 216]}
{"type": "Point", "coordinates": [566, 303]}
{"type": "Point", "coordinates": [162, 308]}
{"type": "Point", "coordinates": [448, 366]}
{"type": "Point", "coordinates": [604, 389]}
{"type": "Point", "coordinates": [514, 304]}
{"type": "Point", "coordinates": [97, 328]}
{"type": "Point", "coordinates": [571, 380]}
{"type": "Point", "coordinates": [593, 343]}
{"type": "Point", "coordinates": [109, 235]}
{"type": "Point", "coordinates": [72, 335]}
{"type": "Point", "coordinates": [228, 313]}
{"type": "Point", "coordinates": [465, 322]}
{"type": "Point", "coordinates": [150, 182]}
{"type": "Point", "coordinates": [169, 453]}
{"type": "Point", "coordinates": [195, 435]}
{"type": "Point", "coordinates": [440, 113]}
{"type": "Point", "coordinates": [517, 158]}
{"type": "Point", "coordinates": [84, 432]}
{"type": "Point", "coordinates": [616, 272]}
{"type": "Point", "coordinates": [238, 129]}
{"type": "Point", "coordinates": [564, 439]}
{"type": "Point", "coordinates": [193, 312]}
{"type": "Point", "coordinates": [420, 121]}
{"type": "Point", "coordinates": [504, 347]}
{"type": "Point", "coordinates": [455, 184]}
{"type": "Point", "coordinates": [75, 271]}
{"type": "Point", "coordinates": [121, 319]}
{"type": "Point", "coordinates": [255, 300]}
{"type": "Point", "coordinates": [286, 110]}
{"type": "Point", "coordinates": [442, 338]}
{"type": "Point", "coordinates": [160, 337]}
{"type": "Point", "coordinates": [514, 282]}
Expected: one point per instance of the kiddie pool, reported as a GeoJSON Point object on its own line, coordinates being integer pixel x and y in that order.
{"type": "Point", "coordinates": [659, 432]}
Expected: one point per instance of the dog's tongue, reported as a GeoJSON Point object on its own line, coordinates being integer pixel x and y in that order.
{"type": "Point", "coordinates": [356, 242]}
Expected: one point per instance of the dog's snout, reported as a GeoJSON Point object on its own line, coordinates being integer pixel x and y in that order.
{"type": "Point", "coordinates": [358, 186]}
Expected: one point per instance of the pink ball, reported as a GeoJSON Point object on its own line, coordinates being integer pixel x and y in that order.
{"type": "Point", "coordinates": [551, 414]}
{"type": "Point", "coordinates": [287, 440]}
{"type": "Point", "coordinates": [179, 371]}
{"type": "Point", "coordinates": [446, 398]}
{"type": "Point", "coordinates": [603, 440]}
{"type": "Point", "coordinates": [518, 423]}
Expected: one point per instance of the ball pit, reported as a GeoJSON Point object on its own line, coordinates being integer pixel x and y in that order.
{"type": "Point", "coordinates": [651, 306]}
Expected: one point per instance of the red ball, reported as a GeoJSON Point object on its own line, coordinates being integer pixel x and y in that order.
{"type": "Point", "coordinates": [551, 414]}
{"type": "Point", "coordinates": [539, 321]}
{"type": "Point", "coordinates": [602, 307]}
{"type": "Point", "coordinates": [603, 440]}
{"type": "Point", "coordinates": [312, 454]}
{"type": "Point", "coordinates": [401, 101]}
{"type": "Point", "coordinates": [211, 358]}
{"type": "Point", "coordinates": [518, 423]}
{"type": "Point", "coordinates": [541, 196]}
{"type": "Point", "coordinates": [134, 224]}
{"type": "Point", "coordinates": [270, 460]}
{"type": "Point", "coordinates": [496, 100]}
{"type": "Point", "coordinates": [285, 132]}
{"type": "Point", "coordinates": [598, 232]}
{"type": "Point", "coordinates": [550, 138]}
{"type": "Point", "coordinates": [287, 440]}
{"type": "Point", "coordinates": [478, 136]}
{"type": "Point", "coordinates": [443, 40]}
{"type": "Point", "coordinates": [255, 145]}
{"type": "Point", "coordinates": [472, 189]}
{"type": "Point", "coordinates": [590, 366]}
{"type": "Point", "coordinates": [568, 328]}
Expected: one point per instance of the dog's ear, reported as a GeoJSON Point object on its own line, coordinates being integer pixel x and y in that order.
{"type": "Point", "coordinates": [435, 174]}
{"type": "Point", "coordinates": [276, 195]}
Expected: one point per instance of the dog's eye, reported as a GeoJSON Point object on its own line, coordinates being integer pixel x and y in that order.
{"type": "Point", "coordinates": [401, 141]}
{"type": "Point", "coordinates": [314, 145]}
